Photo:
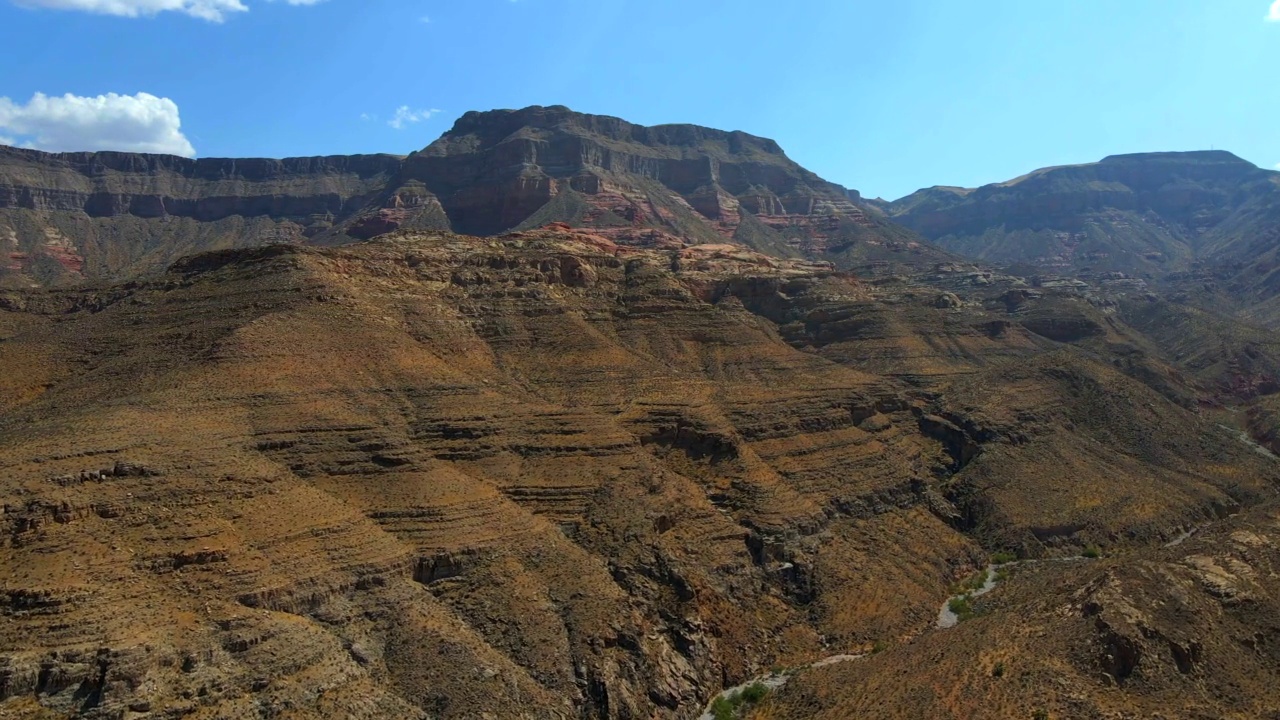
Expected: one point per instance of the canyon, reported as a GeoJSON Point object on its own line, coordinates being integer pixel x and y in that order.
{"type": "Point", "coordinates": [567, 417]}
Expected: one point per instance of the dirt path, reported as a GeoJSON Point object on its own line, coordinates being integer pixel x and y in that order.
{"type": "Point", "coordinates": [947, 618]}
{"type": "Point", "coordinates": [1244, 438]}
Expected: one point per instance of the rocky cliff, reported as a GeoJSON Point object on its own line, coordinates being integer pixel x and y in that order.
{"type": "Point", "coordinates": [70, 217]}
{"type": "Point", "coordinates": [75, 216]}
{"type": "Point", "coordinates": [505, 169]}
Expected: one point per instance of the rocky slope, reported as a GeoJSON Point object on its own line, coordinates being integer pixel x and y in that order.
{"type": "Point", "coordinates": [1186, 631]}
{"type": "Point", "coordinates": [1149, 214]}
{"type": "Point", "coordinates": [548, 474]}
{"type": "Point", "coordinates": [70, 217]}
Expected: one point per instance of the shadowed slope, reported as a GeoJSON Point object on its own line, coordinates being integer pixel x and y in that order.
{"type": "Point", "coordinates": [1144, 213]}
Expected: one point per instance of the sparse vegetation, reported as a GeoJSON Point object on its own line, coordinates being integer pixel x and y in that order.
{"type": "Point", "coordinates": [978, 580]}
{"type": "Point", "coordinates": [879, 646]}
{"type": "Point", "coordinates": [998, 670]}
{"type": "Point", "coordinates": [754, 693]}
{"type": "Point", "coordinates": [733, 705]}
{"type": "Point", "coordinates": [1092, 552]}
{"type": "Point", "coordinates": [962, 606]}
{"type": "Point", "coordinates": [1003, 557]}
{"type": "Point", "coordinates": [972, 584]}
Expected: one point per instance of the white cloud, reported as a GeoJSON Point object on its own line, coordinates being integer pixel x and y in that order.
{"type": "Point", "coordinates": [1274, 15]}
{"type": "Point", "coordinates": [405, 116]}
{"type": "Point", "coordinates": [425, 19]}
{"type": "Point", "coordinates": [131, 123]}
{"type": "Point", "coordinates": [212, 10]}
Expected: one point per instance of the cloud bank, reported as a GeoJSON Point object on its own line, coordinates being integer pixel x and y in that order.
{"type": "Point", "coordinates": [130, 123]}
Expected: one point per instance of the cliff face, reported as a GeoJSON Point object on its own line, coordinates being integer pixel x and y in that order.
{"type": "Point", "coordinates": [1134, 213]}
{"type": "Point", "coordinates": [76, 216]}
{"type": "Point", "coordinates": [505, 169]}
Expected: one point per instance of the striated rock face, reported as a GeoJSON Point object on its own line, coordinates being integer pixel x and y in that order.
{"type": "Point", "coordinates": [73, 216]}
{"type": "Point", "coordinates": [69, 217]}
{"type": "Point", "coordinates": [540, 475]}
{"type": "Point", "coordinates": [503, 169]}
{"type": "Point", "coordinates": [1149, 213]}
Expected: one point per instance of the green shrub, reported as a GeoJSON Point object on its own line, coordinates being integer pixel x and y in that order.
{"type": "Point", "coordinates": [754, 693]}
{"type": "Point", "coordinates": [1003, 557]}
{"type": "Point", "coordinates": [998, 670]}
{"type": "Point", "coordinates": [879, 646]}
{"type": "Point", "coordinates": [722, 708]}
{"type": "Point", "coordinates": [975, 582]}
{"type": "Point", "coordinates": [962, 606]}
{"type": "Point", "coordinates": [1092, 551]}
{"type": "Point", "coordinates": [727, 707]}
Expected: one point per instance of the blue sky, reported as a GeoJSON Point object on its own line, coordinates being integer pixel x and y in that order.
{"type": "Point", "coordinates": [884, 96]}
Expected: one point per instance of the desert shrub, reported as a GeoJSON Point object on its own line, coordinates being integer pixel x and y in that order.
{"type": "Point", "coordinates": [723, 708]}
{"type": "Point", "coordinates": [962, 606]}
{"type": "Point", "coordinates": [729, 707]}
{"type": "Point", "coordinates": [754, 693]}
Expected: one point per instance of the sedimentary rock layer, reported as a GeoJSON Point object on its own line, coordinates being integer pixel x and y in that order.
{"type": "Point", "coordinates": [71, 217]}
{"type": "Point", "coordinates": [541, 475]}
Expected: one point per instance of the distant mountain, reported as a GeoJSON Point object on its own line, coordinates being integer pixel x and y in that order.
{"type": "Point", "coordinates": [519, 169]}
{"type": "Point", "coordinates": [1146, 213]}
{"type": "Point", "coordinates": [74, 216]}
